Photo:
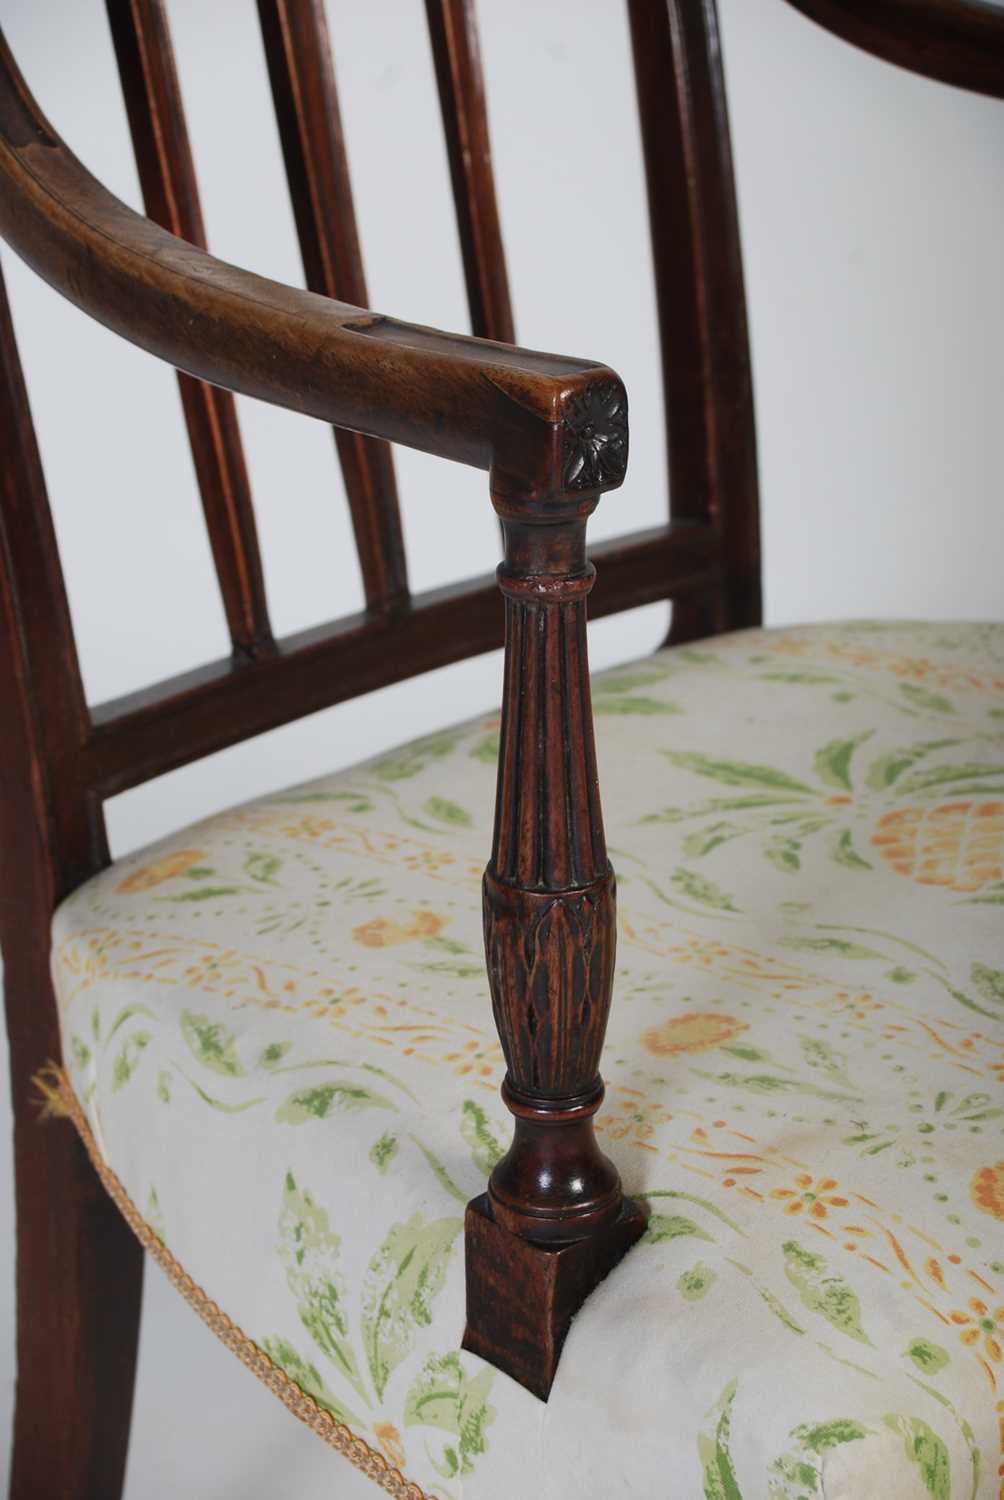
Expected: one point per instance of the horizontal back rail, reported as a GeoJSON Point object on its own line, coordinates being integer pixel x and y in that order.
{"type": "Point", "coordinates": [167, 177]}
{"type": "Point", "coordinates": [177, 721]}
{"type": "Point", "coordinates": [302, 76]}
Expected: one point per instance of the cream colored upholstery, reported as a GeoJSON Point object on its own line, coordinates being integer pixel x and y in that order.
{"type": "Point", "coordinates": [277, 1023]}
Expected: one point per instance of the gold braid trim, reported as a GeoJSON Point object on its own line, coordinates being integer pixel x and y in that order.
{"type": "Point", "coordinates": [54, 1086]}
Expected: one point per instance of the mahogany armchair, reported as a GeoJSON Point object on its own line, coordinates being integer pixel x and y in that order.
{"type": "Point", "coordinates": [269, 993]}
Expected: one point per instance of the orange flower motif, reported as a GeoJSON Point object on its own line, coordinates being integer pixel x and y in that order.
{"type": "Point", "coordinates": [148, 876]}
{"type": "Point", "coordinates": [389, 1439]}
{"type": "Point", "coordinates": [631, 1116]}
{"type": "Point", "coordinates": [979, 1322]}
{"type": "Point", "coordinates": [987, 1190]}
{"type": "Point", "coordinates": [429, 861]}
{"type": "Point", "coordinates": [382, 932]}
{"type": "Point", "coordinates": [696, 1033]}
{"type": "Point", "coordinates": [814, 1198]}
{"type": "Point", "coordinates": [476, 1058]}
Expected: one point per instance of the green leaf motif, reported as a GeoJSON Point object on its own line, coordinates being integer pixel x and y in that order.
{"type": "Point", "coordinates": [634, 704]}
{"type": "Point", "coordinates": [486, 750]}
{"type": "Point", "coordinates": [701, 842]}
{"type": "Point", "coordinates": [154, 1215]}
{"type": "Point", "coordinates": [211, 1044]}
{"type": "Point", "coordinates": [409, 760]}
{"type": "Point", "coordinates": [716, 805]}
{"type": "Point", "coordinates": [939, 776]}
{"type": "Point", "coordinates": [746, 1053]}
{"type": "Point", "coordinates": [80, 1053]}
{"type": "Point", "coordinates": [439, 1171]}
{"type": "Point", "coordinates": [263, 868]}
{"type": "Point", "coordinates": [833, 761]}
{"type": "Point", "coordinates": [164, 1086]}
{"type": "Point", "coordinates": [737, 772]}
{"type": "Point", "coordinates": [128, 1058]}
{"type": "Point", "coordinates": [672, 1227]}
{"type": "Point", "coordinates": [775, 1305]}
{"type": "Point", "coordinates": [219, 1104]}
{"type": "Point", "coordinates": [801, 1468]}
{"type": "Point", "coordinates": [308, 1378]}
{"type": "Point", "coordinates": [123, 1016]}
{"type": "Point", "coordinates": [697, 658]}
{"type": "Point", "coordinates": [779, 1310]}
{"type": "Point", "coordinates": [357, 802]}
{"type": "Point", "coordinates": [308, 1251]}
{"type": "Point", "coordinates": [929, 1358]}
{"type": "Point", "coordinates": [705, 891]}
{"type": "Point", "coordinates": [819, 1054]}
{"type": "Point", "coordinates": [992, 896]}
{"type": "Point", "coordinates": [720, 1481]}
{"type": "Point", "coordinates": [921, 697]}
{"type": "Point", "coordinates": [442, 1396]}
{"type": "Point", "coordinates": [837, 946]}
{"type": "Point", "coordinates": [402, 1282]}
{"type": "Point", "coordinates": [699, 1202]}
{"type": "Point", "coordinates": [445, 811]}
{"type": "Point", "coordinates": [784, 853]}
{"type": "Point", "coordinates": [626, 682]}
{"type": "Point", "coordinates": [888, 768]}
{"type": "Point", "coordinates": [829, 1434]}
{"type": "Point", "coordinates": [383, 1151]}
{"type": "Point", "coordinates": [456, 967]}
{"type": "Point", "coordinates": [828, 1295]}
{"type": "Point", "coordinates": [808, 678]}
{"type": "Point", "coordinates": [844, 853]}
{"type": "Point", "coordinates": [925, 1449]}
{"type": "Point", "coordinates": [989, 982]}
{"type": "Point", "coordinates": [272, 1055]}
{"type": "Point", "coordinates": [324, 1099]}
{"type": "Point", "coordinates": [696, 1283]}
{"type": "Point", "coordinates": [477, 1132]}
{"type": "Point", "coordinates": [769, 1083]}
{"type": "Point", "coordinates": [205, 893]}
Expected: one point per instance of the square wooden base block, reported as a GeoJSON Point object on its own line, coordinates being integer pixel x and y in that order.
{"type": "Point", "coordinates": [521, 1298]}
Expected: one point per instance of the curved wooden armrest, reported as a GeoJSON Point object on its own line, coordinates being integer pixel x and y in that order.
{"type": "Point", "coordinates": [493, 406]}
{"type": "Point", "coordinates": [954, 41]}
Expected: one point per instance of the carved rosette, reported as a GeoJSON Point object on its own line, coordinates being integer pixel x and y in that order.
{"type": "Point", "coordinates": [595, 438]}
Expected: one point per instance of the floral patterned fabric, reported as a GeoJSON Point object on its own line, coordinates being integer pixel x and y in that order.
{"type": "Point", "coordinates": [278, 1025]}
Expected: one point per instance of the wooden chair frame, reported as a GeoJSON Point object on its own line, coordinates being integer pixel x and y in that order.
{"type": "Point", "coordinates": [552, 434]}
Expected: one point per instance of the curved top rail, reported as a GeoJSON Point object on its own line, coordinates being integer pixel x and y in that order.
{"type": "Point", "coordinates": [520, 412]}
{"type": "Point", "coordinates": [954, 41]}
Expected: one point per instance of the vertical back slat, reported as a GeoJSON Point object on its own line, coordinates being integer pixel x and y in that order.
{"type": "Point", "coordinates": [167, 177]}
{"type": "Point", "coordinates": [699, 287]}
{"type": "Point", "coordinates": [302, 76]}
{"type": "Point", "coordinates": [457, 55]}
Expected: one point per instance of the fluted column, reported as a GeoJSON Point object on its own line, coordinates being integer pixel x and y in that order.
{"type": "Point", "coordinates": [554, 1220]}
{"type": "Point", "coordinates": [549, 897]}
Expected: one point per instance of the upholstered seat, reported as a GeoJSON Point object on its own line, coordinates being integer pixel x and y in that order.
{"type": "Point", "coordinates": [278, 1028]}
